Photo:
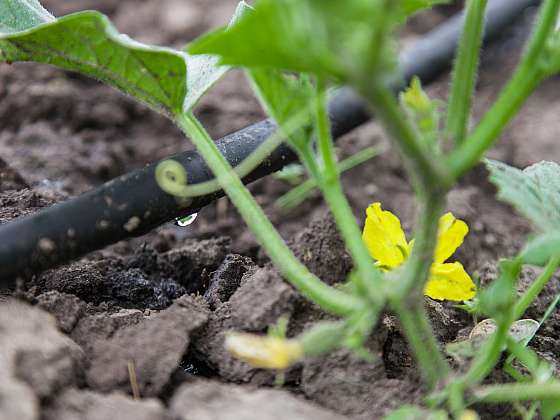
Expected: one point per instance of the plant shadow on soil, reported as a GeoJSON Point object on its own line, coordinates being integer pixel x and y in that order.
{"type": "Point", "coordinates": [156, 308]}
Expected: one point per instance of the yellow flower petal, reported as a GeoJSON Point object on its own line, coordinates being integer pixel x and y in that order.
{"type": "Point", "coordinates": [264, 352]}
{"type": "Point", "coordinates": [449, 282]}
{"type": "Point", "coordinates": [384, 237]}
{"type": "Point", "coordinates": [451, 234]}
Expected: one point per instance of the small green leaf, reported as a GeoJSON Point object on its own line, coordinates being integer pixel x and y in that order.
{"type": "Point", "coordinates": [498, 298]}
{"type": "Point", "coordinates": [533, 192]}
{"type": "Point", "coordinates": [328, 38]}
{"type": "Point", "coordinates": [285, 97]}
{"type": "Point", "coordinates": [550, 409]}
{"type": "Point", "coordinates": [282, 96]}
{"type": "Point", "coordinates": [541, 248]}
{"type": "Point", "coordinates": [169, 81]}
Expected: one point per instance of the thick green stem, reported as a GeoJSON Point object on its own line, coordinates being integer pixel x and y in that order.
{"type": "Point", "coordinates": [517, 392]}
{"type": "Point", "coordinates": [418, 331]}
{"type": "Point", "coordinates": [407, 297]}
{"type": "Point", "coordinates": [465, 72]}
{"type": "Point", "coordinates": [494, 121]}
{"type": "Point", "coordinates": [417, 269]}
{"type": "Point", "coordinates": [370, 278]}
{"type": "Point", "coordinates": [536, 287]}
{"type": "Point", "coordinates": [327, 297]}
{"type": "Point", "coordinates": [529, 74]}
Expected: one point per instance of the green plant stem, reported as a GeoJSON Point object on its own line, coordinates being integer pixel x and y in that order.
{"type": "Point", "coordinates": [418, 331]}
{"type": "Point", "coordinates": [371, 281]}
{"type": "Point", "coordinates": [536, 287]}
{"type": "Point", "coordinates": [418, 265]}
{"type": "Point", "coordinates": [297, 195]}
{"type": "Point", "coordinates": [426, 171]}
{"type": "Point", "coordinates": [465, 72]}
{"type": "Point", "coordinates": [324, 137]}
{"type": "Point", "coordinates": [529, 74]}
{"type": "Point", "coordinates": [407, 296]}
{"type": "Point", "coordinates": [517, 392]}
{"type": "Point", "coordinates": [328, 298]}
{"type": "Point", "coordinates": [494, 121]}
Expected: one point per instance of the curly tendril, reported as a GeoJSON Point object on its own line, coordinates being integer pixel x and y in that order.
{"type": "Point", "coordinates": [172, 178]}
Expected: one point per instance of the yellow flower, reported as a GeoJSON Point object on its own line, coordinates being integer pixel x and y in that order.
{"type": "Point", "coordinates": [387, 244]}
{"type": "Point", "coordinates": [266, 352]}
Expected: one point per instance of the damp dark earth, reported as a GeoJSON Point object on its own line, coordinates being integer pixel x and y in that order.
{"type": "Point", "coordinates": [136, 330]}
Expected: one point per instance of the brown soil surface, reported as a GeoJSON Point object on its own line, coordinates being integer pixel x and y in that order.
{"type": "Point", "coordinates": [156, 308]}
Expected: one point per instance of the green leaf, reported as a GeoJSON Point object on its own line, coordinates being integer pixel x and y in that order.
{"type": "Point", "coordinates": [167, 80]}
{"type": "Point", "coordinates": [19, 15]}
{"type": "Point", "coordinates": [498, 298]}
{"type": "Point", "coordinates": [541, 248]}
{"type": "Point", "coordinates": [533, 192]}
{"type": "Point", "coordinates": [550, 409]}
{"type": "Point", "coordinates": [328, 38]}
{"type": "Point", "coordinates": [285, 98]}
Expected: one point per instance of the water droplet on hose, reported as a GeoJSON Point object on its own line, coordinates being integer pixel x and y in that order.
{"type": "Point", "coordinates": [187, 220]}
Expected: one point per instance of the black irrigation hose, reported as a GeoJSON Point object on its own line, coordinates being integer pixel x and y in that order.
{"type": "Point", "coordinates": [134, 204]}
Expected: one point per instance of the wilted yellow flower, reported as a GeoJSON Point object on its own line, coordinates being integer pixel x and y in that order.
{"type": "Point", "coordinates": [263, 351]}
{"type": "Point", "coordinates": [386, 242]}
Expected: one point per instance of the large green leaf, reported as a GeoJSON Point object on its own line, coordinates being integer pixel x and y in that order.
{"type": "Point", "coordinates": [329, 38]}
{"type": "Point", "coordinates": [169, 81]}
{"type": "Point", "coordinates": [533, 192]}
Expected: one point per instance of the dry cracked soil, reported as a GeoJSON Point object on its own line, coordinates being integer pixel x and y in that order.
{"type": "Point", "coordinates": [156, 308]}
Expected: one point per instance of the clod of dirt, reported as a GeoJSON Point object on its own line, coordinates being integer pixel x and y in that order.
{"type": "Point", "coordinates": [67, 309]}
{"type": "Point", "coordinates": [134, 288]}
{"type": "Point", "coordinates": [153, 349]}
{"type": "Point", "coordinates": [187, 263]}
{"type": "Point", "coordinates": [355, 387]}
{"type": "Point", "coordinates": [35, 353]}
{"type": "Point", "coordinates": [87, 405]}
{"type": "Point", "coordinates": [446, 320]}
{"type": "Point", "coordinates": [226, 279]}
{"type": "Point", "coordinates": [259, 302]}
{"type": "Point", "coordinates": [82, 279]}
{"type": "Point", "coordinates": [262, 299]}
{"type": "Point", "coordinates": [102, 326]}
{"type": "Point", "coordinates": [205, 400]}
{"type": "Point", "coordinates": [322, 250]}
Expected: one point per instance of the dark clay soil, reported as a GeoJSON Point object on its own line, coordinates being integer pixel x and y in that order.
{"type": "Point", "coordinates": [155, 309]}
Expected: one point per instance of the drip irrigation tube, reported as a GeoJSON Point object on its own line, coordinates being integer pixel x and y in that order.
{"type": "Point", "coordinates": [134, 204]}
